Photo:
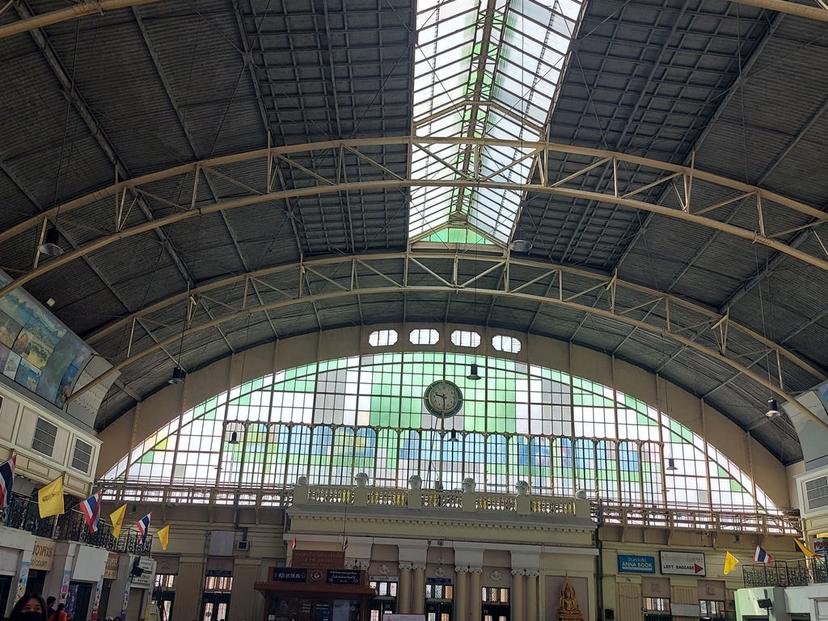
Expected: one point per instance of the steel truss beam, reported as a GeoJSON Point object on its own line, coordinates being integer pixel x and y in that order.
{"type": "Point", "coordinates": [667, 316]}
{"type": "Point", "coordinates": [96, 7]}
{"type": "Point", "coordinates": [686, 185]}
{"type": "Point", "coordinates": [81, 9]}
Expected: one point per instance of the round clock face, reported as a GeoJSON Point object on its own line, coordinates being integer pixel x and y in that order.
{"type": "Point", "coordinates": [443, 398]}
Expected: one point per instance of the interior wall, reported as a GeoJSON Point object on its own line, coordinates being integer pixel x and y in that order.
{"type": "Point", "coordinates": [158, 409]}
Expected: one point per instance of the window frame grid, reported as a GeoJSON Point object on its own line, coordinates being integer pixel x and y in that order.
{"type": "Point", "coordinates": [531, 385]}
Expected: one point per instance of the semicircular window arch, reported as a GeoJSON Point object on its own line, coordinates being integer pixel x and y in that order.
{"type": "Point", "coordinates": [332, 419]}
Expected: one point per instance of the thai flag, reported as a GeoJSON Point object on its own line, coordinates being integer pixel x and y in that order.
{"type": "Point", "coordinates": [762, 556]}
{"type": "Point", "coordinates": [143, 526]}
{"type": "Point", "coordinates": [91, 508]}
{"type": "Point", "coordinates": [6, 480]}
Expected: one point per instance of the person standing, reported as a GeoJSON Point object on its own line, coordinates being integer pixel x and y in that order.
{"type": "Point", "coordinates": [50, 606]}
{"type": "Point", "coordinates": [59, 614]}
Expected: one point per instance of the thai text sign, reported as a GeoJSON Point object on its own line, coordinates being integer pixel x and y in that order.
{"type": "Point", "coordinates": [635, 564]}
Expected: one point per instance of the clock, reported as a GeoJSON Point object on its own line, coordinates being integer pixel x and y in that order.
{"type": "Point", "coordinates": [443, 398]}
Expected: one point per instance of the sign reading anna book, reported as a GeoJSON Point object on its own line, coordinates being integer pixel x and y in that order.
{"type": "Point", "coordinates": [636, 564]}
{"type": "Point", "coordinates": [683, 563]}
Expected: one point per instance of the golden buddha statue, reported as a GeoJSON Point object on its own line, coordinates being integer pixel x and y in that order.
{"type": "Point", "coordinates": [568, 604]}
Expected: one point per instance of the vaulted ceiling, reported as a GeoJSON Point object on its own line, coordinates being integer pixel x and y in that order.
{"type": "Point", "coordinates": [713, 85]}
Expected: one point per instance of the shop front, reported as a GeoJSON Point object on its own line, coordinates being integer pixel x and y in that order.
{"type": "Point", "coordinates": [316, 594]}
{"type": "Point", "coordinates": [109, 577]}
{"type": "Point", "coordinates": [163, 591]}
{"type": "Point", "coordinates": [43, 555]}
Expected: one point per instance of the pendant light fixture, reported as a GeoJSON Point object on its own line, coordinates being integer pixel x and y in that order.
{"type": "Point", "coordinates": [474, 372]}
{"type": "Point", "coordinates": [179, 374]}
{"type": "Point", "coordinates": [773, 410]}
{"type": "Point", "coordinates": [51, 246]}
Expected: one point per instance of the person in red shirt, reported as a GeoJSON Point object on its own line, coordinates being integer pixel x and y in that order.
{"type": "Point", "coordinates": [59, 614]}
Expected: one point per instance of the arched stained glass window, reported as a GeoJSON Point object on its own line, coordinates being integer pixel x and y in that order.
{"type": "Point", "coordinates": [519, 422]}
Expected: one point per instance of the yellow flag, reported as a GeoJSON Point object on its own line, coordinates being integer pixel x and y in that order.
{"type": "Point", "coordinates": [804, 549]}
{"type": "Point", "coordinates": [117, 518]}
{"type": "Point", "coordinates": [50, 498]}
{"type": "Point", "coordinates": [730, 563]}
{"type": "Point", "coordinates": [164, 536]}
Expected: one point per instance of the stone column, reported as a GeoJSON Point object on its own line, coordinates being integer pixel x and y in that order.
{"type": "Point", "coordinates": [404, 593]}
{"type": "Point", "coordinates": [475, 597]}
{"type": "Point", "coordinates": [532, 603]}
{"type": "Point", "coordinates": [461, 594]}
{"type": "Point", "coordinates": [518, 598]}
{"type": "Point", "coordinates": [418, 592]}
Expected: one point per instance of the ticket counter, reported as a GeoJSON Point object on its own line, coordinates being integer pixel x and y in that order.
{"type": "Point", "coordinates": [299, 594]}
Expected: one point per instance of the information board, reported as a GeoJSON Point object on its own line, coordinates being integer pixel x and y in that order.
{"type": "Point", "coordinates": [344, 576]}
{"type": "Point", "coordinates": [683, 563]}
{"type": "Point", "coordinates": [636, 564]}
{"type": "Point", "coordinates": [317, 558]}
{"type": "Point", "coordinates": [289, 574]}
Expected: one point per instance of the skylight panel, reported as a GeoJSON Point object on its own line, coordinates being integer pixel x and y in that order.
{"type": "Point", "coordinates": [482, 73]}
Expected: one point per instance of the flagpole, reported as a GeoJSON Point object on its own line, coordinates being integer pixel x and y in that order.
{"type": "Point", "coordinates": [55, 523]}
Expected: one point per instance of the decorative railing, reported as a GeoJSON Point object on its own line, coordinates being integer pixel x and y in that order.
{"type": "Point", "coordinates": [800, 572]}
{"type": "Point", "coordinates": [602, 513]}
{"type": "Point", "coordinates": [439, 499]}
{"type": "Point", "coordinates": [22, 513]}
{"type": "Point", "coordinates": [720, 521]}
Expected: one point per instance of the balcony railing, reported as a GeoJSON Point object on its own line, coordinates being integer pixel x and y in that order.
{"type": "Point", "coordinates": [675, 517]}
{"type": "Point", "coordinates": [602, 513]}
{"type": "Point", "coordinates": [22, 514]}
{"type": "Point", "coordinates": [800, 572]}
{"type": "Point", "coordinates": [334, 495]}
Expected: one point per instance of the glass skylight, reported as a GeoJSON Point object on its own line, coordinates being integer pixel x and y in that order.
{"type": "Point", "coordinates": [483, 69]}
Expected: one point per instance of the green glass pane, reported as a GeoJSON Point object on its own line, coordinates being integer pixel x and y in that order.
{"type": "Point", "coordinates": [457, 235]}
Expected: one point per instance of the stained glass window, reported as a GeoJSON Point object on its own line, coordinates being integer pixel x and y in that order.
{"type": "Point", "coordinates": [330, 420]}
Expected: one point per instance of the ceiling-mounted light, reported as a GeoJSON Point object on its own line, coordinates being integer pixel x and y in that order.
{"type": "Point", "coordinates": [521, 245]}
{"type": "Point", "coordinates": [671, 464]}
{"type": "Point", "coordinates": [178, 376]}
{"type": "Point", "coordinates": [234, 437]}
{"type": "Point", "coordinates": [453, 437]}
{"type": "Point", "coordinates": [474, 373]}
{"type": "Point", "coordinates": [773, 409]}
{"type": "Point", "coordinates": [50, 246]}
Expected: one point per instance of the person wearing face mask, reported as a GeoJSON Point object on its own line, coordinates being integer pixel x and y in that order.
{"type": "Point", "coordinates": [29, 608]}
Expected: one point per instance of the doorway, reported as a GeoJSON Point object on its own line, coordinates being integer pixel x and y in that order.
{"type": "Point", "coordinates": [37, 578]}
{"type": "Point", "coordinates": [385, 600]}
{"type": "Point", "coordinates": [77, 601]}
{"type": "Point", "coordinates": [214, 606]}
{"type": "Point", "coordinates": [5, 589]}
{"type": "Point", "coordinates": [439, 600]}
{"type": "Point", "coordinates": [495, 604]}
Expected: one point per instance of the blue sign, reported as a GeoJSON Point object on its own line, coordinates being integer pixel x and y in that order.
{"type": "Point", "coordinates": [634, 564]}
